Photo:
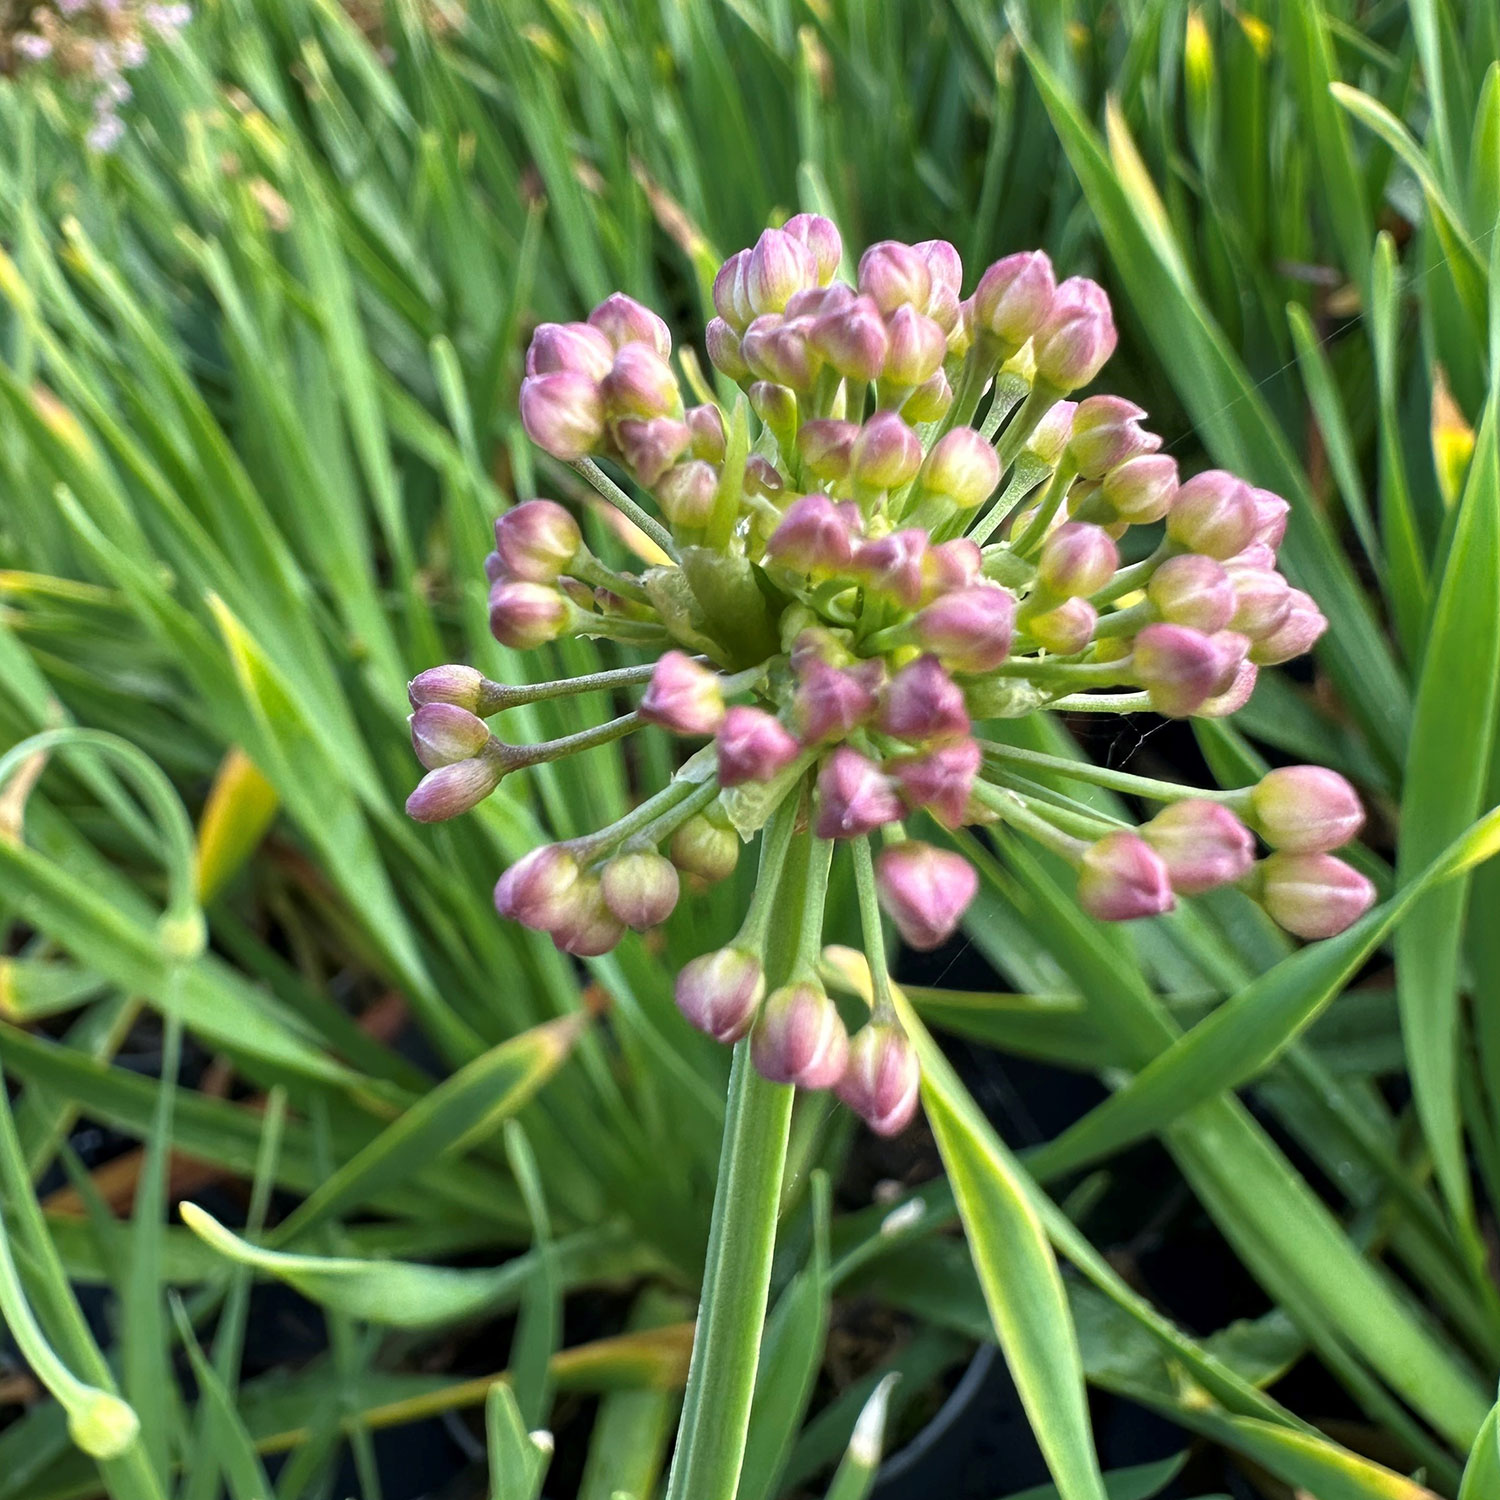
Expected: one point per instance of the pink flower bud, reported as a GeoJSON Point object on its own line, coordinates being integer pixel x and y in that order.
{"type": "Point", "coordinates": [895, 565]}
{"type": "Point", "coordinates": [706, 423]}
{"type": "Point", "coordinates": [683, 696]}
{"type": "Point", "coordinates": [1306, 809]}
{"type": "Point", "coordinates": [753, 746]}
{"type": "Point", "coordinates": [1313, 895]}
{"type": "Point", "coordinates": [924, 703]}
{"type": "Point", "coordinates": [731, 300]}
{"type": "Point", "coordinates": [762, 477]}
{"type": "Point", "coordinates": [1049, 438]}
{"type": "Point", "coordinates": [918, 347]}
{"type": "Point", "coordinates": [536, 541]}
{"type": "Point", "coordinates": [563, 413]}
{"type": "Point", "coordinates": [821, 237]}
{"type": "Point", "coordinates": [585, 926]}
{"type": "Point", "coordinates": [825, 446]}
{"type": "Point", "coordinates": [970, 629]}
{"type": "Point", "coordinates": [1065, 629]}
{"type": "Point", "coordinates": [1077, 559]}
{"type": "Point", "coordinates": [1106, 432]}
{"type": "Point", "coordinates": [777, 349]}
{"type": "Point", "coordinates": [775, 405]}
{"type": "Point", "coordinates": [1203, 844]}
{"type": "Point", "coordinates": [442, 733]}
{"type": "Point", "coordinates": [954, 564]}
{"type": "Point", "coordinates": [942, 780]}
{"type": "Point", "coordinates": [453, 789]}
{"type": "Point", "coordinates": [1271, 513]}
{"type": "Point", "coordinates": [779, 266]}
{"type": "Point", "coordinates": [651, 447]}
{"type": "Point", "coordinates": [1122, 877]}
{"type": "Point", "coordinates": [1235, 696]}
{"type": "Point", "coordinates": [526, 615]}
{"type": "Point", "coordinates": [814, 301]}
{"type": "Point", "coordinates": [929, 402]}
{"type": "Point", "coordinates": [623, 320]}
{"type": "Point", "coordinates": [719, 992]}
{"type": "Point", "coordinates": [891, 274]}
{"type": "Point", "coordinates": [963, 466]}
{"type": "Point", "coordinates": [453, 683]}
{"type": "Point", "coordinates": [1262, 600]}
{"type": "Point", "coordinates": [886, 453]}
{"type": "Point", "coordinates": [1192, 590]}
{"type": "Point", "coordinates": [943, 262]}
{"type": "Point", "coordinates": [640, 888]}
{"type": "Point", "coordinates": [1076, 337]}
{"type": "Point", "coordinates": [702, 848]}
{"type": "Point", "coordinates": [534, 890]}
{"type": "Point", "coordinates": [799, 1038]}
{"type": "Point", "coordinates": [854, 796]}
{"type": "Point", "coordinates": [1014, 296]}
{"type": "Point", "coordinates": [724, 349]}
{"type": "Point", "coordinates": [828, 702]}
{"type": "Point", "coordinates": [853, 339]}
{"type": "Point", "coordinates": [569, 346]}
{"type": "Point", "coordinates": [1213, 514]}
{"type": "Point", "coordinates": [1296, 634]}
{"type": "Point", "coordinates": [812, 537]}
{"type": "Point", "coordinates": [686, 492]}
{"type": "Point", "coordinates": [925, 891]}
{"type": "Point", "coordinates": [1181, 668]}
{"type": "Point", "coordinates": [882, 1080]}
{"type": "Point", "coordinates": [1142, 489]}
{"type": "Point", "coordinates": [640, 383]}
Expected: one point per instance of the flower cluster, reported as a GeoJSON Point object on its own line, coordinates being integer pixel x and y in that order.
{"type": "Point", "coordinates": [97, 42]}
{"type": "Point", "coordinates": [901, 527]}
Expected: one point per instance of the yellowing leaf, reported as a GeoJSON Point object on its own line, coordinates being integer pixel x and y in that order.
{"type": "Point", "coordinates": [240, 808]}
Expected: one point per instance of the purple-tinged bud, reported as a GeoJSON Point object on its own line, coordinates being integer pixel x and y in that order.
{"type": "Point", "coordinates": [494, 568]}
{"type": "Point", "coordinates": [828, 702]}
{"type": "Point", "coordinates": [702, 848]}
{"type": "Point", "coordinates": [1262, 599]}
{"type": "Point", "coordinates": [536, 541]}
{"type": "Point", "coordinates": [891, 274]}
{"type": "Point", "coordinates": [924, 703]}
{"type": "Point", "coordinates": [1203, 844]}
{"type": "Point", "coordinates": [444, 733]}
{"type": "Point", "coordinates": [1121, 877]}
{"type": "Point", "coordinates": [640, 888]}
{"type": "Point", "coordinates": [724, 350]}
{"type": "Point", "coordinates": [942, 780]}
{"type": "Point", "coordinates": [882, 1080]}
{"type": "Point", "coordinates": [1192, 590]}
{"type": "Point", "coordinates": [777, 349]}
{"type": "Point", "coordinates": [1076, 337]}
{"type": "Point", "coordinates": [586, 927]}
{"type": "Point", "coordinates": [963, 466]}
{"type": "Point", "coordinates": [1271, 513]}
{"type": "Point", "coordinates": [799, 1038]}
{"type": "Point", "coordinates": [640, 383]}
{"type": "Point", "coordinates": [1014, 296]}
{"type": "Point", "coordinates": [821, 237]}
{"type": "Point", "coordinates": [895, 565]}
{"type": "Point", "coordinates": [762, 477]}
{"type": "Point", "coordinates": [918, 347]}
{"type": "Point", "coordinates": [453, 683]}
{"type": "Point", "coordinates": [1313, 895]}
{"type": "Point", "coordinates": [1213, 514]}
{"type": "Point", "coordinates": [718, 993]}
{"type": "Point", "coordinates": [753, 746]}
{"type": "Point", "coordinates": [454, 789]}
{"type": "Point", "coordinates": [886, 453]}
{"type": "Point", "coordinates": [812, 537]}
{"type": "Point", "coordinates": [854, 796]}
{"type": "Point", "coordinates": [683, 696]}
{"type": "Point", "coordinates": [814, 301]}
{"type": "Point", "coordinates": [686, 492]}
{"type": "Point", "coordinates": [774, 404]}
{"type": "Point", "coordinates": [1296, 634]}
{"type": "Point", "coordinates": [1065, 629]}
{"type": "Point", "coordinates": [1077, 559]}
{"type": "Point", "coordinates": [779, 266]}
{"type": "Point", "coordinates": [623, 320]}
{"type": "Point", "coordinates": [731, 300]}
{"type": "Point", "coordinates": [970, 629]}
{"type": "Point", "coordinates": [535, 890]}
{"type": "Point", "coordinates": [1142, 489]}
{"type": "Point", "coordinates": [1235, 696]}
{"type": "Point", "coordinates": [526, 615]}
{"type": "Point", "coordinates": [1256, 555]}
{"type": "Point", "coordinates": [1181, 668]}
{"type": "Point", "coordinates": [1049, 438]}
{"type": "Point", "coordinates": [954, 564]}
{"type": "Point", "coordinates": [563, 413]}
{"type": "Point", "coordinates": [1305, 809]}
{"type": "Point", "coordinates": [853, 339]}
{"type": "Point", "coordinates": [825, 446]}
{"type": "Point", "coordinates": [1106, 432]}
{"type": "Point", "coordinates": [651, 447]}
{"type": "Point", "coordinates": [943, 262]}
{"type": "Point", "coordinates": [929, 402]}
{"type": "Point", "coordinates": [706, 423]}
{"type": "Point", "coordinates": [569, 346]}
{"type": "Point", "coordinates": [925, 891]}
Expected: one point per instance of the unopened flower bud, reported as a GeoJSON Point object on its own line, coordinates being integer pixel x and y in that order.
{"type": "Point", "coordinates": [719, 992]}
{"type": "Point", "coordinates": [779, 266]}
{"type": "Point", "coordinates": [586, 927]}
{"type": "Point", "coordinates": [1262, 600]}
{"type": "Point", "coordinates": [1313, 895]}
{"type": "Point", "coordinates": [1121, 877]}
{"type": "Point", "coordinates": [1297, 633]}
{"type": "Point", "coordinates": [640, 383]}
{"type": "Point", "coordinates": [929, 402]}
{"type": "Point", "coordinates": [652, 446]}
{"type": "Point", "coordinates": [943, 262]}
{"type": "Point", "coordinates": [724, 349]}
{"type": "Point", "coordinates": [854, 796]}
{"type": "Point", "coordinates": [683, 696]}
{"type": "Point", "coordinates": [1203, 844]}
{"type": "Point", "coordinates": [702, 848]}
{"type": "Point", "coordinates": [706, 423]}
{"type": "Point", "coordinates": [814, 301]}
{"type": "Point", "coordinates": [925, 891]}
{"type": "Point", "coordinates": [799, 1038]}
{"type": "Point", "coordinates": [563, 413]}
{"type": "Point", "coordinates": [442, 733]}
{"type": "Point", "coordinates": [1077, 559]}
{"type": "Point", "coordinates": [918, 347]}
{"type": "Point", "coordinates": [537, 540]}
{"type": "Point", "coordinates": [1142, 489]}
{"type": "Point", "coordinates": [1192, 590]}
{"type": "Point", "coordinates": [534, 891]}
{"type": "Point", "coordinates": [777, 349]}
{"type": "Point", "coordinates": [753, 746]}
{"type": "Point", "coordinates": [895, 565]}
{"type": "Point", "coordinates": [891, 274]}
{"type": "Point", "coordinates": [963, 466]}
{"type": "Point", "coordinates": [1271, 513]}
{"type": "Point", "coordinates": [775, 405]}
{"type": "Point", "coordinates": [453, 789]}
{"type": "Point", "coordinates": [1213, 514]}
{"type": "Point", "coordinates": [1106, 431]}
{"type": "Point", "coordinates": [825, 446]}
{"type": "Point", "coordinates": [853, 339]}
{"type": "Point", "coordinates": [453, 683]}
{"type": "Point", "coordinates": [829, 702]}
{"type": "Point", "coordinates": [954, 564]}
{"type": "Point", "coordinates": [1181, 668]}
{"type": "Point", "coordinates": [924, 703]}
{"type": "Point", "coordinates": [640, 888]}
{"type": "Point", "coordinates": [1014, 296]}
{"type": "Point", "coordinates": [623, 320]}
{"type": "Point", "coordinates": [821, 237]}
{"type": "Point", "coordinates": [882, 1080]}
{"type": "Point", "coordinates": [1065, 629]}
{"type": "Point", "coordinates": [812, 537]}
{"type": "Point", "coordinates": [527, 615]}
{"type": "Point", "coordinates": [1235, 696]}
{"type": "Point", "coordinates": [762, 477]}
{"type": "Point", "coordinates": [942, 780]}
{"type": "Point", "coordinates": [970, 629]}
{"type": "Point", "coordinates": [1306, 809]}
{"type": "Point", "coordinates": [1049, 438]}
{"type": "Point", "coordinates": [731, 300]}
{"type": "Point", "coordinates": [686, 492]}
{"type": "Point", "coordinates": [886, 453]}
{"type": "Point", "coordinates": [100, 1423]}
{"type": "Point", "coordinates": [569, 346]}
{"type": "Point", "coordinates": [1076, 337]}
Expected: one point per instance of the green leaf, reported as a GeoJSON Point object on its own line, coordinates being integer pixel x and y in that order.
{"type": "Point", "coordinates": [518, 1459]}
{"type": "Point", "coordinates": [1140, 1482]}
{"type": "Point", "coordinates": [1482, 1472]}
{"type": "Point", "coordinates": [856, 1471]}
